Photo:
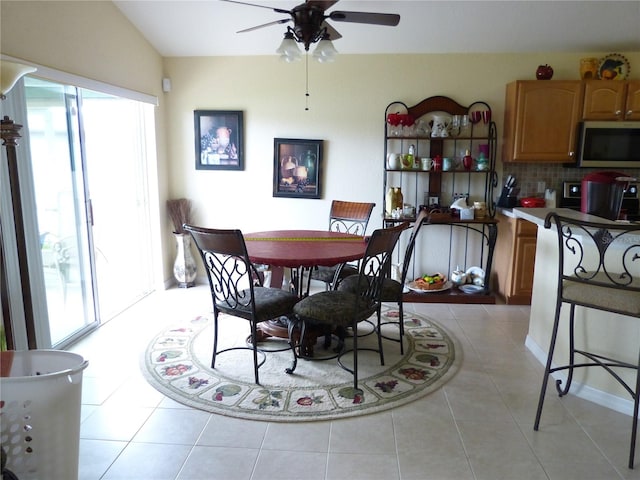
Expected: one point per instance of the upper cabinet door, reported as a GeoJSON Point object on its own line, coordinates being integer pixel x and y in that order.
{"type": "Point", "coordinates": [604, 100]}
{"type": "Point", "coordinates": [611, 100]}
{"type": "Point", "coordinates": [632, 109]}
{"type": "Point", "coordinates": [541, 118]}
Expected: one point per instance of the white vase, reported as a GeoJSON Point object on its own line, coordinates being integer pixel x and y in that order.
{"type": "Point", "coordinates": [184, 267]}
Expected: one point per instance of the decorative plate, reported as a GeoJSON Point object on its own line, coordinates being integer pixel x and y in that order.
{"type": "Point", "coordinates": [471, 288]}
{"type": "Point", "coordinates": [412, 286]}
{"type": "Point", "coordinates": [614, 67]}
{"type": "Point", "coordinates": [475, 272]}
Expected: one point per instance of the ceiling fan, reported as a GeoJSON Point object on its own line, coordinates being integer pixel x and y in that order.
{"type": "Point", "coordinates": [309, 20]}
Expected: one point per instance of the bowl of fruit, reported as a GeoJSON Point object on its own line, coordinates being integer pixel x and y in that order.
{"type": "Point", "coordinates": [434, 282]}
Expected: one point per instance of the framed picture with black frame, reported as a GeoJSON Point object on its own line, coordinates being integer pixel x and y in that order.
{"type": "Point", "coordinates": [297, 168]}
{"type": "Point", "coordinates": [219, 136]}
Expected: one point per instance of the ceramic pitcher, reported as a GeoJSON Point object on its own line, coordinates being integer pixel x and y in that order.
{"type": "Point", "coordinates": [440, 126]}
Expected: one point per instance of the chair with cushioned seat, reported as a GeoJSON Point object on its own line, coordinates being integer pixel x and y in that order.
{"type": "Point", "coordinates": [339, 310]}
{"type": "Point", "coordinates": [598, 268]}
{"type": "Point", "coordinates": [393, 290]}
{"type": "Point", "coordinates": [236, 288]}
{"type": "Point", "coordinates": [346, 217]}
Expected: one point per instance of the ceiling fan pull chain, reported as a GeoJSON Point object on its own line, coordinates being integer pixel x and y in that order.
{"type": "Point", "coordinates": [306, 95]}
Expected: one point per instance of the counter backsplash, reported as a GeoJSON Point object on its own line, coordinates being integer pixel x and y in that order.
{"type": "Point", "coordinates": [529, 174]}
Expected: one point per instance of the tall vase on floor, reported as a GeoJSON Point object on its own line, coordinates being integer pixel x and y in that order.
{"type": "Point", "coordinates": [184, 267]}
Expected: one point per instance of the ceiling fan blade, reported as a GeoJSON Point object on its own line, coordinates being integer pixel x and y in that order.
{"type": "Point", "coordinates": [277, 10]}
{"type": "Point", "coordinates": [389, 19]}
{"type": "Point", "coordinates": [333, 33]}
{"type": "Point", "coordinates": [276, 22]}
{"type": "Point", "coordinates": [323, 4]}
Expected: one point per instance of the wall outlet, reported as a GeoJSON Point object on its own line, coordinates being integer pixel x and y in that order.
{"type": "Point", "coordinates": [541, 187]}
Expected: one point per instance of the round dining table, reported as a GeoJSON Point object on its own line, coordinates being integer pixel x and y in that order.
{"type": "Point", "coordinates": [300, 250]}
{"type": "Point", "coordinates": [304, 248]}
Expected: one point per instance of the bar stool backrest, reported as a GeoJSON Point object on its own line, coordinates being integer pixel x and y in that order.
{"type": "Point", "coordinates": [599, 264]}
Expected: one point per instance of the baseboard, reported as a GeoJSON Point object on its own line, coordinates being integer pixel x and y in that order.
{"type": "Point", "coordinates": [599, 397]}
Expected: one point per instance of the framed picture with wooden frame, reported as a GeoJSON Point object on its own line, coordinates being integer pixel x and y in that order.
{"type": "Point", "coordinates": [297, 168]}
{"type": "Point", "coordinates": [219, 136]}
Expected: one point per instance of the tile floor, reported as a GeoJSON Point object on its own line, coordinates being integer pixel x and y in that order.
{"type": "Point", "coordinates": [478, 426]}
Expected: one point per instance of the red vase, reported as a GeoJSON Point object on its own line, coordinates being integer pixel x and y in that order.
{"type": "Point", "coordinates": [467, 161]}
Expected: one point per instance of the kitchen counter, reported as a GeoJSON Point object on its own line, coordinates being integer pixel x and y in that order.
{"type": "Point", "coordinates": [607, 333]}
{"type": "Point", "coordinates": [507, 212]}
{"type": "Point", "coordinates": [537, 215]}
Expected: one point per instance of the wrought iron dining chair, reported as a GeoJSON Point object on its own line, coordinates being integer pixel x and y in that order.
{"type": "Point", "coordinates": [236, 289]}
{"type": "Point", "coordinates": [598, 268]}
{"type": "Point", "coordinates": [345, 217]}
{"type": "Point", "coordinates": [338, 310]}
{"type": "Point", "coordinates": [393, 290]}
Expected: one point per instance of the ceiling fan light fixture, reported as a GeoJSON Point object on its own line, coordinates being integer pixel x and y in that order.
{"type": "Point", "coordinates": [325, 52]}
{"type": "Point", "coordinates": [288, 49]}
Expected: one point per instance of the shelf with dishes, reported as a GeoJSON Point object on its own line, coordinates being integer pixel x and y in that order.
{"type": "Point", "coordinates": [453, 295]}
{"type": "Point", "coordinates": [463, 287]}
{"type": "Point", "coordinates": [440, 155]}
{"type": "Point", "coordinates": [419, 170]}
{"type": "Point", "coordinates": [486, 229]}
{"type": "Point", "coordinates": [444, 218]}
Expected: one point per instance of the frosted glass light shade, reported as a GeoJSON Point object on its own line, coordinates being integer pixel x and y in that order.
{"type": "Point", "coordinates": [10, 73]}
{"type": "Point", "coordinates": [288, 49]}
{"type": "Point", "coordinates": [325, 52]}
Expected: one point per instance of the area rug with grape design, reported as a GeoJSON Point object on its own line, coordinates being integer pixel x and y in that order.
{"type": "Point", "coordinates": [177, 363]}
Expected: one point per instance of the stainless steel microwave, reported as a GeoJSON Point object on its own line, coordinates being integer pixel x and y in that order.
{"type": "Point", "coordinates": [607, 144]}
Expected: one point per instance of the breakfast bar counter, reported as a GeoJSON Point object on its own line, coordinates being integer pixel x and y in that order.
{"type": "Point", "coordinates": [608, 333]}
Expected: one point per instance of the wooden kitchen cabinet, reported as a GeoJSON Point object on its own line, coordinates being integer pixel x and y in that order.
{"type": "Point", "coordinates": [611, 100]}
{"type": "Point", "coordinates": [541, 119]}
{"type": "Point", "coordinates": [514, 260]}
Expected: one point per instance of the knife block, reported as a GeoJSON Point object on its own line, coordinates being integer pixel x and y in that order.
{"type": "Point", "coordinates": [507, 201]}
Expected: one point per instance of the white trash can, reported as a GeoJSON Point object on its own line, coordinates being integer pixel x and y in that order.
{"type": "Point", "coordinates": [40, 414]}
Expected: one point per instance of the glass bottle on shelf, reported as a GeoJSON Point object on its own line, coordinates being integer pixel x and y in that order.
{"type": "Point", "coordinates": [482, 162]}
{"type": "Point", "coordinates": [399, 199]}
{"type": "Point", "coordinates": [467, 160]}
{"type": "Point", "coordinates": [393, 202]}
{"type": "Point", "coordinates": [388, 203]}
{"type": "Point", "coordinates": [411, 157]}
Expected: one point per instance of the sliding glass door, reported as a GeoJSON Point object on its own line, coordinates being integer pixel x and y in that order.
{"type": "Point", "coordinates": [118, 134]}
{"type": "Point", "coordinates": [61, 207]}
{"type": "Point", "coordinates": [89, 153]}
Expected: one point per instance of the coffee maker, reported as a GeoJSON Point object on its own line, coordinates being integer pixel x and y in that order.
{"type": "Point", "coordinates": [602, 193]}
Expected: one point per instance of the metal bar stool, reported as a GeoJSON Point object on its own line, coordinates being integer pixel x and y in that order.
{"type": "Point", "coordinates": [599, 268]}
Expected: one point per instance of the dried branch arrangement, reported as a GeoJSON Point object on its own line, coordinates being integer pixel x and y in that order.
{"type": "Point", "coordinates": [180, 211]}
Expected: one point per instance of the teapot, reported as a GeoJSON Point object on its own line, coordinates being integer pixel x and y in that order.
{"type": "Point", "coordinates": [459, 277]}
{"type": "Point", "coordinates": [440, 126]}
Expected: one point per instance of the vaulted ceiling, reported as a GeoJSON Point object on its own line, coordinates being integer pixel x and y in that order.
{"type": "Point", "coordinates": [209, 28]}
